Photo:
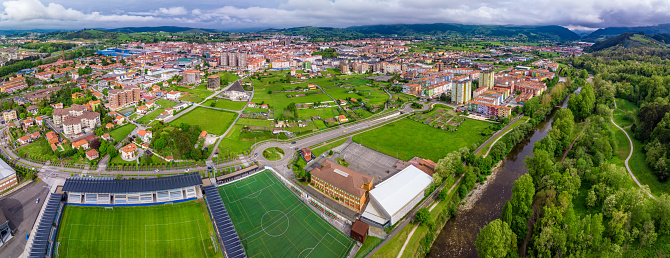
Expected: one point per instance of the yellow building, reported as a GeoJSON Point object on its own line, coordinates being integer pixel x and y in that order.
{"type": "Point", "coordinates": [461, 92]}
{"type": "Point", "coordinates": [487, 78]}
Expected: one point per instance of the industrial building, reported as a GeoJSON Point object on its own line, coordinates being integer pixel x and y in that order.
{"type": "Point", "coordinates": [392, 199]}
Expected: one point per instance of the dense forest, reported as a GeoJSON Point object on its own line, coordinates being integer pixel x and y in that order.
{"type": "Point", "coordinates": [578, 199]}
{"type": "Point", "coordinates": [642, 76]}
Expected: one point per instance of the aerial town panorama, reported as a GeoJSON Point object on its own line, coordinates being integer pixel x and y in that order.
{"type": "Point", "coordinates": [201, 132]}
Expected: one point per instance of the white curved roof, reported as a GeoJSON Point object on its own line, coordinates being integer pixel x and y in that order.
{"type": "Point", "coordinates": [399, 190]}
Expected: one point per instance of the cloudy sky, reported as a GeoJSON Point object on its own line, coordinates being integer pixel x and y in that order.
{"type": "Point", "coordinates": [241, 14]}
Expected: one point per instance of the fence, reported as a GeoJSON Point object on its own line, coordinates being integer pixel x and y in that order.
{"type": "Point", "coordinates": [332, 217]}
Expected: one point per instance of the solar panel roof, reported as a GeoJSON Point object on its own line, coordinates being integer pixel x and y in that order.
{"type": "Point", "coordinates": [41, 237]}
{"type": "Point", "coordinates": [99, 185]}
{"type": "Point", "coordinates": [225, 227]}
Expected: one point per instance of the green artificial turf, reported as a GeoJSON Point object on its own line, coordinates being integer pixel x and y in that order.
{"type": "Point", "coordinates": [211, 120]}
{"type": "Point", "coordinates": [170, 230]}
{"type": "Point", "coordinates": [272, 222]}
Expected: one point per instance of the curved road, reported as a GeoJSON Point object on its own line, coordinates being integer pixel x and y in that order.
{"type": "Point", "coordinates": [290, 148]}
{"type": "Point", "coordinates": [629, 154]}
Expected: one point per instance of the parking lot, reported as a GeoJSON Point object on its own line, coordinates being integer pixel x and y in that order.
{"type": "Point", "coordinates": [369, 162]}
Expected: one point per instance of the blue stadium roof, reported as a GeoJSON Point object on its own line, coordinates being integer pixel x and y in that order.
{"type": "Point", "coordinates": [100, 185]}
{"type": "Point", "coordinates": [40, 245]}
{"type": "Point", "coordinates": [231, 242]}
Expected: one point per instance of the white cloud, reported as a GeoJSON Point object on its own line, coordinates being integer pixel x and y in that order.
{"type": "Point", "coordinates": [336, 13]}
{"type": "Point", "coordinates": [26, 10]}
{"type": "Point", "coordinates": [173, 11]}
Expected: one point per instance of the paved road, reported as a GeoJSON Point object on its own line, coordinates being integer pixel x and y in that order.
{"type": "Point", "coordinates": [630, 142]}
{"type": "Point", "coordinates": [21, 211]}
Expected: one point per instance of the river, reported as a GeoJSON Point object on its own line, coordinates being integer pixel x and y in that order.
{"type": "Point", "coordinates": [458, 236]}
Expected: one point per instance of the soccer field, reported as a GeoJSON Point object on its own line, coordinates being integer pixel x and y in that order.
{"type": "Point", "coordinates": [272, 222]}
{"type": "Point", "coordinates": [170, 230]}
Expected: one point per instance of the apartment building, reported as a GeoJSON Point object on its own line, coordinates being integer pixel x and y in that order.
{"type": "Point", "coordinates": [191, 77]}
{"type": "Point", "coordinates": [487, 79]}
{"type": "Point", "coordinates": [213, 82]}
{"type": "Point", "coordinates": [9, 115]}
{"type": "Point", "coordinates": [461, 91]}
{"type": "Point", "coordinates": [76, 119]}
{"type": "Point", "coordinates": [121, 98]}
{"type": "Point", "coordinates": [234, 59]}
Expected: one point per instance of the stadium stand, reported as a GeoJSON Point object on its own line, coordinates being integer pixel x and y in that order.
{"type": "Point", "coordinates": [236, 175]}
{"type": "Point", "coordinates": [227, 235]}
{"type": "Point", "coordinates": [45, 237]}
{"type": "Point", "coordinates": [107, 191]}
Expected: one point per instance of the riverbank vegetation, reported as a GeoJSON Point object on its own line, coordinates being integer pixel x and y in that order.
{"type": "Point", "coordinates": [586, 205]}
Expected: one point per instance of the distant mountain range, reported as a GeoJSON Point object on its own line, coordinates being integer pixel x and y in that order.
{"type": "Point", "coordinates": [438, 29]}
{"type": "Point", "coordinates": [630, 40]}
{"type": "Point", "coordinates": [610, 32]}
{"type": "Point", "coordinates": [171, 29]}
{"type": "Point", "coordinates": [531, 33]}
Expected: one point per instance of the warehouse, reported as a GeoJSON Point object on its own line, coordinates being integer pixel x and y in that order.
{"type": "Point", "coordinates": [107, 191]}
{"type": "Point", "coordinates": [392, 199]}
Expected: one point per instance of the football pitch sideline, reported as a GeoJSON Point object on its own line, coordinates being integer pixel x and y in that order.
{"type": "Point", "coordinates": [168, 230]}
{"type": "Point", "coordinates": [272, 222]}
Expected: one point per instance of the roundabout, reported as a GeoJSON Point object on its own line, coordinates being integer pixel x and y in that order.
{"type": "Point", "coordinates": [273, 153]}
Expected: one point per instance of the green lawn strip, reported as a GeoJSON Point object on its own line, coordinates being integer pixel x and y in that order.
{"type": "Point", "coordinates": [166, 103]}
{"type": "Point", "coordinates": [196, 94]}
{"type": "Point", "coordinates": [237, 142]}
{"type": "Point", "coordinates": [515, 125]}
{"type": "Point", "coordinates": [324, 148]}
{"type": "Point", "coordinates": [642, 172]}
{"type": "Point", "coordinates": [623, 144]}
{"type": "Point", "coordinates": [39, 147]}
{"type": "Point", "coordinates": [225, 104]}
{"type": "Point", "coordinates": [176, 230]}
{"type": "Point", "coordinates": [407, 139]}
{"type": "Point", "coordinates": [626, 105]}
{"type": "Point", "coordinates": [392, 248]}
{"type": "Point", "coordinates": [369, 244]}
{"type": "Point", "coordinates": [273, 153]}
{"type": "Point", "coordinates": [150, 116]}
{"type": "Point", "coordinates": [122, 132]}
{"type": "Point", "coordinates": [211, 120]}
{"type": "Point", "coordinates": [620, 118]}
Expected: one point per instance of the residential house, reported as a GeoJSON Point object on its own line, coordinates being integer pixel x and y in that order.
{"type": "Point", "coordinates": [145, 136]}
{"type": "Point", "coordinates": [129, 152]}
{"type": "Point", "coordinates": [25, 140]}
{"type": "Point", "coordinates": [83, 143]}
{"type": "Point", "coordinates": [32, 109]}
{"type": "Point", "coordinates": [92, 154]}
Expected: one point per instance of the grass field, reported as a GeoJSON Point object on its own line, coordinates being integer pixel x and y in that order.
{"type": "Point", "coordinates": [272, 222]}
{"type": "Point", "coordinates": [407, 139]}
{"type": "Point", "coordinates": [122, 132]}
{"type": "Point", "coordinates": [171, 230]}
{"type": "Point", "coordinates": [225, 104]}
{"type": "Point", "coordinates": [211, 120]}
{"type": "Point", "coordinates": [273, 153]}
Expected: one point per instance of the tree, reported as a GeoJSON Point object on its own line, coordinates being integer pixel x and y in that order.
{"type": "Point", "coordinates": [539, 166]}
{"type": "Point", "coordinates": [422, 216]}
{"type": "Point", "coordinates": [495, 240]}
{"type": "Point", "coordinates": [159, 144]}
